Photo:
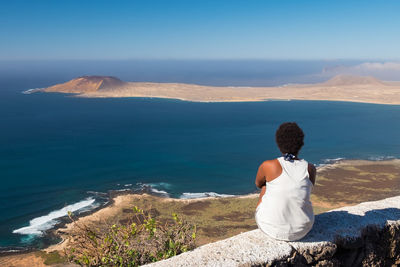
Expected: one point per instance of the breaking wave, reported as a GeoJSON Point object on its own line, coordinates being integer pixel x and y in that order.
{"type": "Point", "coordinates": [40, 224]}
{"type": "Point", "coordinates": [30, 91]}
{"type": "Point", "coordinates": [203, 195]}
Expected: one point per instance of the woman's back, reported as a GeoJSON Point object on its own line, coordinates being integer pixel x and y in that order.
{"type": "Point", "coordinates": [285, 211]}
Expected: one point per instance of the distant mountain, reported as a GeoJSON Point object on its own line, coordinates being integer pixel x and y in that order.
{"type": "Point", "coordinates": [343, 80]}
{"type": "Point", "coordinates": [86, 84]}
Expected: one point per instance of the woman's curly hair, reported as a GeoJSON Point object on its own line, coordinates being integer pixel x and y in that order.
{"type": "Point", "coordinates": [289, 138]}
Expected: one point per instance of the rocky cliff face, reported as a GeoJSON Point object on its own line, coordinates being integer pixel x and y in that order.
{"type": "Point", "coordinates": [367, 234]}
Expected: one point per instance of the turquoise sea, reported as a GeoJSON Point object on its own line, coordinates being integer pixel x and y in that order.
{"type": "Point", "coordinates": [60, 153]}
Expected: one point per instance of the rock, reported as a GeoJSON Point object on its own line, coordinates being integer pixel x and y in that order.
{"type": "Point", "coordinates": [367, 234]}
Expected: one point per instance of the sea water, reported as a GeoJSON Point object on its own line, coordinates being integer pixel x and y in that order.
{"type": "Point", "coordinates": [60, 153]}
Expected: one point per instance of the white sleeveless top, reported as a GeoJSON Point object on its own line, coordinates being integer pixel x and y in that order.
{"type": "Point", "coordinates": [285, 211]}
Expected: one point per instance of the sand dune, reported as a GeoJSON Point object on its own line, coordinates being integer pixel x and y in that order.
{"type": "Point", "coordinates": [339, 88]}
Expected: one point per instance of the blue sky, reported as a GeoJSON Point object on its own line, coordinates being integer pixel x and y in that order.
{"type": "Point", "coordinates": [95, 29]}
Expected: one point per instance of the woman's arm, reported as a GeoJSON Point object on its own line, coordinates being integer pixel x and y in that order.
{"type": "Point", "coordinates": [312, 171]}
{"type": "Point", "coordinates": [260, 178]}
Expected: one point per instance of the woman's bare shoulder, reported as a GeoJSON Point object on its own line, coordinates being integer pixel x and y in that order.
{"type": "Point", "coordinates": [272, 169]}
{"type": "Point", "coordinates": [270, 162]}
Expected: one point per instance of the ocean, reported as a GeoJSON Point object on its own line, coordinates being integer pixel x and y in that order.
{"type": "Point", "coordinates": [60, 153]}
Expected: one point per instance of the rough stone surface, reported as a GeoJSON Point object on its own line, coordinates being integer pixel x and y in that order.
{"type": "Point", "coordinates": [367, 234]}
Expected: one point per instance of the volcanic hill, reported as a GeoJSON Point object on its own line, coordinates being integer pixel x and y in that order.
{"type": "Point", "coordinates": [87, 84]}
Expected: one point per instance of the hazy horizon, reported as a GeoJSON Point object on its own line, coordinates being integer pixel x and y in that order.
{"type": "Point", "coordinates": [44, 73]}
{"type": "Point", "coordinates": [175, 29]}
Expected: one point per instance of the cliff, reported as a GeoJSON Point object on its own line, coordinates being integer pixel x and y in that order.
{"type": "Point", "coordinates": [367, 234]}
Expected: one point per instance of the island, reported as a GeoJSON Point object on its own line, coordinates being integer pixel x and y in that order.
{"type": "Point", "coordinates": [364, 89]}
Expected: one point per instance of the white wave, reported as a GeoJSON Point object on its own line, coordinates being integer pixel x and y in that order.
{"type": "Point", "coordinates": [122, 190]}
{"type": "Point", "coordinates": [127, 185]}
{"type": "Point", "coordinates": [161, 185]}
{"type": "Point", "coordinates": [40, 224]}
{"type": "Point", "coordinates": [156, 188]}
{"type": "Point", "coordinates": [160, 192]}
{"type": "Point", "coordinates": [380, 158]}
{"type": "Point", "coordinates": [203, 195]}
{"type": "Point", "coordinates": [327, 161]}
{"type": "Point", "coordinates": [30, 91]}
{"type": "Point", "coordinates": [11, 251]}
{"type": "Point", "coordinates": [98, 194]}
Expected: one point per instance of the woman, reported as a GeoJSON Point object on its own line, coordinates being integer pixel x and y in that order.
{"type": "Point", "coordinates": [284, 209]}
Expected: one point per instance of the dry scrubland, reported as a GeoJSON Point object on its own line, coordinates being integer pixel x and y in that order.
{"type": "Point", "coordinates": [341, 184]}
{"type": "Point", "coordinates": [344, 183]}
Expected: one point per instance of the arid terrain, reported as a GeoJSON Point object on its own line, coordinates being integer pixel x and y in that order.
{"type": "Point", "coordinates": [344, 183]}
{"type": "Point", "coordinates": [339, 88]}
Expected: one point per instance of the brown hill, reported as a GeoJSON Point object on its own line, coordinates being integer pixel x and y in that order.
{"type": "Point", "coordinates": [344, 80]}
{"type": "Point", "coordinates": [87, 84]}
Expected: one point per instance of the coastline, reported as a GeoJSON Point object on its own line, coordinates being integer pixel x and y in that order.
{"type": "Point", "coordinates": [221, 217]}
{"type": "Point", "coordinates": [347, 89]}
{"type": "Point", "coordinates": [321, 202]}
{"type": "Point", "coordinates": [240, 100]}
{"type": "Point", "coordinates": [378, 102]}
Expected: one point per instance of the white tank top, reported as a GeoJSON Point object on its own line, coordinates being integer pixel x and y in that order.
{"type": "Point", "coordinates": [285, 211]}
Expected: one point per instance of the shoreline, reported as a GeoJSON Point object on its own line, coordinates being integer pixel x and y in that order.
{"type": "Point", "coordinates": [118, 200]}
{"type": "Point", "coordinates": [114, 197]}
{"type": "Point", "coordinates": [245, 100]}
{"type": "Point", "coordinates": [242, 100]}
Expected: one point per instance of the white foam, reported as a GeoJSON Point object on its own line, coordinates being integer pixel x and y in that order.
{"type": "Point", "coordinates": [332, 160]}
{"type": "Point", "coordinates": [40, 224]}
{"type": "Point", "coordinates": [156, 188]}
{"type": "Point", "coordinates": [11, 251]}
{"type": "Point", "coordinates": [161, 192]}
{"type": "Point", "coordinates": [30, 91]}
{"type": "Point", "coordinates": [127, 185]}
{"type": "Point", "coordinates": [161, 184]}
{"type": "Point", "coordinates": [203, 195]}
{"type": "Point", "coordinates": [123, 190]}
{"type": "Point", "coordinates": [336, 160]}
{"type": "Point", "coordinates": [381, 158]}
{"type": "Point", "coordinates": [329, 162]}
{"type": "Point", "coordinates": [98, 194]}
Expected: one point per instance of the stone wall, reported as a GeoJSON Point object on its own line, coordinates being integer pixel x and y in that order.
{"type": "Point", "coordinates": [367, 234]}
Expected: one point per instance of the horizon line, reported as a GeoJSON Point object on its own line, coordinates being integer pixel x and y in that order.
{"type": "Point", "coordinates": [203, 59]}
